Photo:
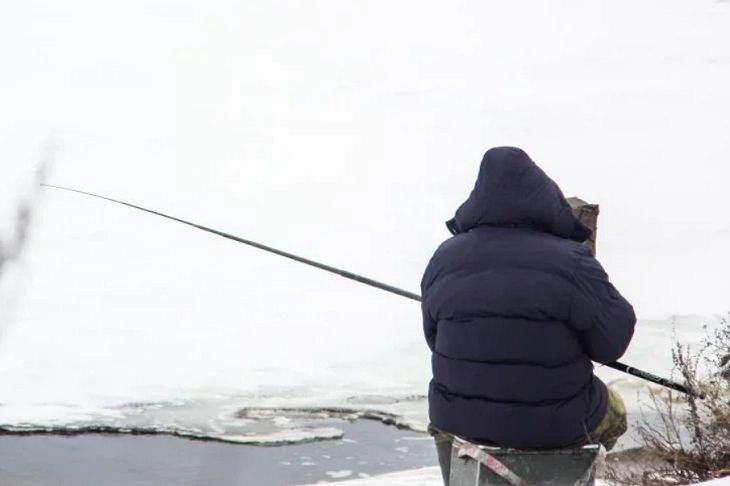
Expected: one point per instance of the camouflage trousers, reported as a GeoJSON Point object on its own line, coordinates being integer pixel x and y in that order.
{"type": "Point", "coordinates": [614, 423]}
{"type": "Point", "coordinates": [612, 426]}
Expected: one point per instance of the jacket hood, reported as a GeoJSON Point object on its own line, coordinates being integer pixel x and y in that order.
{"type": "Point", "coordinates": [511, 190]}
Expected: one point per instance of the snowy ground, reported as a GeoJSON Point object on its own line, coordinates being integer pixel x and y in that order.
{"type": "Point", "coordinates": [431, 476]}
{"type": "Point", "coordinates": [428, 476]}
{"type": "Point", "coordinates": [346, 132]}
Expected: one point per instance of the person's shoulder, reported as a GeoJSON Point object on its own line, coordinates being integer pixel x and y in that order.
{"type": "Point", "coordinates": [551, 253]}
{"type": "Point", "coordinates": [451, 243]}
{"type": "Point", "coordinates": [455, 247]}
{"type": "Point", "coordinates": [443, 258]}
{"type": "Point", "coordinates": [564, 246]}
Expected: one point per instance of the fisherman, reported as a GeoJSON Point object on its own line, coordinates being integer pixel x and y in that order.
{"type": "Point", "coordinates": [515, 308]}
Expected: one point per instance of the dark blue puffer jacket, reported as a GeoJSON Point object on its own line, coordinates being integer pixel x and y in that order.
{"type": "Point", "coordinates": [514, 310]}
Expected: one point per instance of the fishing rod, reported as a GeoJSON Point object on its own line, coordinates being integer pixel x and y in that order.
{"type": "Point", "coordinates": [357, 278]}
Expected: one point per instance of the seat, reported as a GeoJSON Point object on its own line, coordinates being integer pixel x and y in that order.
{"type": "Point", "coordinates": [477, 465]}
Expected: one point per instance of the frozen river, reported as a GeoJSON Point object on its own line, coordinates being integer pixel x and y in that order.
{"type": "Point", "coordinates": [346, 132]}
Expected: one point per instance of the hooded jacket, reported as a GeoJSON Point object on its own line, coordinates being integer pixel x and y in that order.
{"type": "Point", "coordinates": [515, 308]}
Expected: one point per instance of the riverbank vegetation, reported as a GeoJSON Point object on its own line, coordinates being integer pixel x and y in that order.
{"type": "Point", "coordinates": [690, 441]}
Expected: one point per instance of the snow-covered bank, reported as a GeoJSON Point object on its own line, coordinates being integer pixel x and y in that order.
{"type": "Point", "coordinates": [431, 476]}
{"type": "Point", "coordinates": [427, 476]}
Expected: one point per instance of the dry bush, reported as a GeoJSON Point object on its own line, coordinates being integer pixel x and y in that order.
{"type": "Point", "coordinates": [690, 441]}
{"type": "Point", "coordinates": [12, 243]}
{"type": "Point", "coordinates": [10, 248]}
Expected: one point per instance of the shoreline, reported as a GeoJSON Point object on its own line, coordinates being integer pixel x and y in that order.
{"type": "Point", "coordinates": [268, 427]}
{"type": "Point", "coordinates": [367, 448]}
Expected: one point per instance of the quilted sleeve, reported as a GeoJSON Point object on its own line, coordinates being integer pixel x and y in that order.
{"type": "Point", "coordinates": [603, 319]}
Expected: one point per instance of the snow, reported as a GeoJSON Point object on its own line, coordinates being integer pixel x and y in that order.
{"type": "Point", "coordinates": [431, 476]}
{"type": "Point", "coordinates": [428, 476]}
{"type": "Point", "coordinates": [346, 132]}
{"type": "Point", "coordinates": [718, 481]}
{"type": "Point", "coordinates": [339, 474]}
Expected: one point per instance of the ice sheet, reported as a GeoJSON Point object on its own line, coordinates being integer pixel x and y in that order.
{"type": "Point", "coordinates": [346, 132]}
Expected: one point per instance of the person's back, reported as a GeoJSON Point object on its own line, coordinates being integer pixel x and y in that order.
{"type": "Point", "coordinates": [515, 308]}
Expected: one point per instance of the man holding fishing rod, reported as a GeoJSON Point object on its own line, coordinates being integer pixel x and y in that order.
{"type": "Point", "coordinates": [515, 308]}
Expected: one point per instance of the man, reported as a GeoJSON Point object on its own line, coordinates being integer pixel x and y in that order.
{"type": "Point", "coordinates": [515, 308]}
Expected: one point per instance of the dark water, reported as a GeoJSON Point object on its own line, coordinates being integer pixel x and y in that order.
{"type": "Point", "coordinates": [368, 447]}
